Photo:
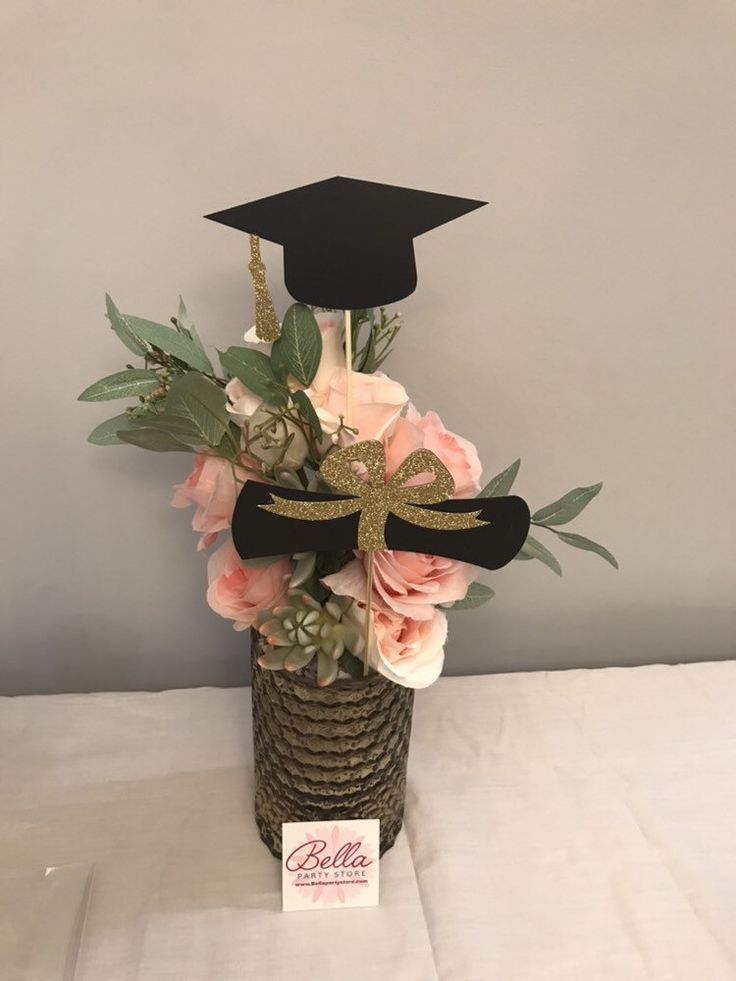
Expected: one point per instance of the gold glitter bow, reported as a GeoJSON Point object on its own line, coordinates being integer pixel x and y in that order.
{"type": "Point", "coordinates": [268, 327]}
{"type": "Point", "coordinates": [375, 499]}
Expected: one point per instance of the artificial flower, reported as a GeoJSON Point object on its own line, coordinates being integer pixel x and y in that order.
{"type": "Point", "coordinates": [212, 487]}
{"type": "Point", "coordinates": [239, 592]}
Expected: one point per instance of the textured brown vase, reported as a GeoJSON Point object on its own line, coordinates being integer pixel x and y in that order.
{"type": "Point", "coordinates": [328, 753]}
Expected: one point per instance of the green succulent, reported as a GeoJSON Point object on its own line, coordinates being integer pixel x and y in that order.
{"type": "Point", "coordinates": [304, 628]}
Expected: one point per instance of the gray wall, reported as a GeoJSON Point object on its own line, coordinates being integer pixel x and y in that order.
{"type": "Point", "coordinates": [585, 321]}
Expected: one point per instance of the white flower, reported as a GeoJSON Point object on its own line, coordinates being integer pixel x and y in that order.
{"type": "Point", "coordinates": [268, 444]}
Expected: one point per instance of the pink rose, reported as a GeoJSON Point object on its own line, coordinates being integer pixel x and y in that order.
{"type": "Point", "coordinates": [212, 487]}
{"type": "Point", "coordinates": [377, 402]}
{"type": "Point", "coordinates": [238, 592]}
{"type": "Point", "coordinates": [408, 584]}
{"type": "Point", "coordinates": [377, 399]}
{"type": "Point", "coordinates": [408, 652]}
{"type": "Point", "coordinates": [458, 454]}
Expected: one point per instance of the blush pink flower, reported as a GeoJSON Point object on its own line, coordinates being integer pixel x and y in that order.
{"type": "Point", "coordinates": [212, 488]}
{"type": "Point", "coordinates": [239, 592]}
{"type": "Point", "coordinates": [459, 455]}
{"type": "Point", "coordinates": [377, 402]}
{"type": "Point", "coordinates": [407, 584]}
{"type": "Point", "coordinates": [377, 399]}
{"type": "Point", "coordinates": [408, 652]}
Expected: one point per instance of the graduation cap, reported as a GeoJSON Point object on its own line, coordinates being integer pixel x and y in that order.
{"type": "Point", "coordinates": [348, 244]}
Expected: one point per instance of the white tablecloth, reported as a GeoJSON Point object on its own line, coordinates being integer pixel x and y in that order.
{"type": "Point", "coordinates": [576, 825]}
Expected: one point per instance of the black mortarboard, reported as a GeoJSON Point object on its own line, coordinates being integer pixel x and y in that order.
{"type": "Point", "coordinates": [347, 243]}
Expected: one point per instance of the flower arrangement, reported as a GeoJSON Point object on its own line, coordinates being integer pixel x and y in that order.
{"type": "Point", "coordinates": [274, 413]}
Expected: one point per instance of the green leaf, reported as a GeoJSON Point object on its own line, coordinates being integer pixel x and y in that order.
{"type": "Point", "coordinates": [578, 541]}
{"type": "Point", "coordinates": [106, 434]}
{"type": "Point", "coordinates": [278, 363]}
{"type": "Point", "coordinates": [121, 385]}
{"type": "Point", "coordinates": [171, 342]}
{"type": "Point", "coordinates": [568, 507]}
{"type": "Point", "coordinates": [286, 477]}
{"type": "Point", "coordinates": [369, 363]}
{"type": "Point", "coordinates": [273, 659]}
{"type": "Point", "coordinates": [153, 439]}
{"type": "Point", "coordinates": [533, 549]}
{"type": "Point", "coordinates": [326, 669]}
{"type": "Point", "coordinates": [301, 343]}
{"type": "Point", "coordinates": [181, 429]}
{"type": "Point", "coordinates": [501, 484]}
{"type": "Point", "coordinates": [351, 665]}
{"type": "Point", "coordinates": [184, 321]}
{"type": "Point", "coordinates": [202, 403]}
{"type": "Point", "coordinates": [123, 329]}
{"type": "Point", "coordinates": [254, 370]}
{"type": "Point", "coordinates": [297, 658]}
{"type": "Point", "coordinates": [477, 595]}
{"type": "Point", "coordinates": [303, 569]}
{"type": "Point", "coordinates": [307, 411]}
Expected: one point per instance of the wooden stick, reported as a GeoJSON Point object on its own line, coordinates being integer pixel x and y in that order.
{"type": "Point", "coordinates": [349, 422]}
{"type": "Point", "coordinates": [368, 598]}
{"type": "Point", "coordinates": [349, 369]}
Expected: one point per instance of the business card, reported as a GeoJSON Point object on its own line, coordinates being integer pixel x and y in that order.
{"type": "Point", "coordinates": [328, 864]}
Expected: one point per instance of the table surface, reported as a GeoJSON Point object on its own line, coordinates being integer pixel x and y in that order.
{"type": "Point", "coordinates": [575, 825]}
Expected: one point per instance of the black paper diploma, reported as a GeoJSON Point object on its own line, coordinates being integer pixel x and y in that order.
{"type": "Point", "coordinates": [271, 520]}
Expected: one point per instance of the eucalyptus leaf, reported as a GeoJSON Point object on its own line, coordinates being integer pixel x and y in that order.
{"type": "Point", "coordinates": [301, 343]}
{"type": "Point", "coordinates": [106, 434]}
{"type": "Point", "coordinates": [202, 403]}
{"type": "Point", "coordinates": [579, 541]}
{"type": "Point", "coordinates": [567, 507]}
{"type": "Point", "coordinates": [502, 483]}
{"type": "Point", "coordinates": [122, 385]}
{"type": "Point", "coordinates": [181, 429]}
{"type": "Point", "coordinates": [307, 411]}
{"type": "Point", "coordinates": [533, 549]}
{"type": "Point", "coordinates": [254, 370]}
{"type": "Point", "coordinates": [153, 439]}
{"type": "Point", "coordinates": [123, 329]}
{"type": "Point", "coordinates": [171, 342]}
{"type": "Point", "coordinates": [477, 595]}
{"type": "Point", "coordinates": [185, 322]}
{"type": "Point", "coordinates": [278, 363]}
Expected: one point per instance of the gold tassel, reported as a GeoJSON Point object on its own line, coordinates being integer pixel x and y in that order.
{"type": "Point", "coordinates": [268, 327]}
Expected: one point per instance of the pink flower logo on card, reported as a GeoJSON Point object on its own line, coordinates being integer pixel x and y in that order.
{"type": "Point", "coordinates": [333, 864]}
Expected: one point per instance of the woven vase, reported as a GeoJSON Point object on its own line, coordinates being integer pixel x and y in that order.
{"type": "Point", "coordinates": [335, 753]}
